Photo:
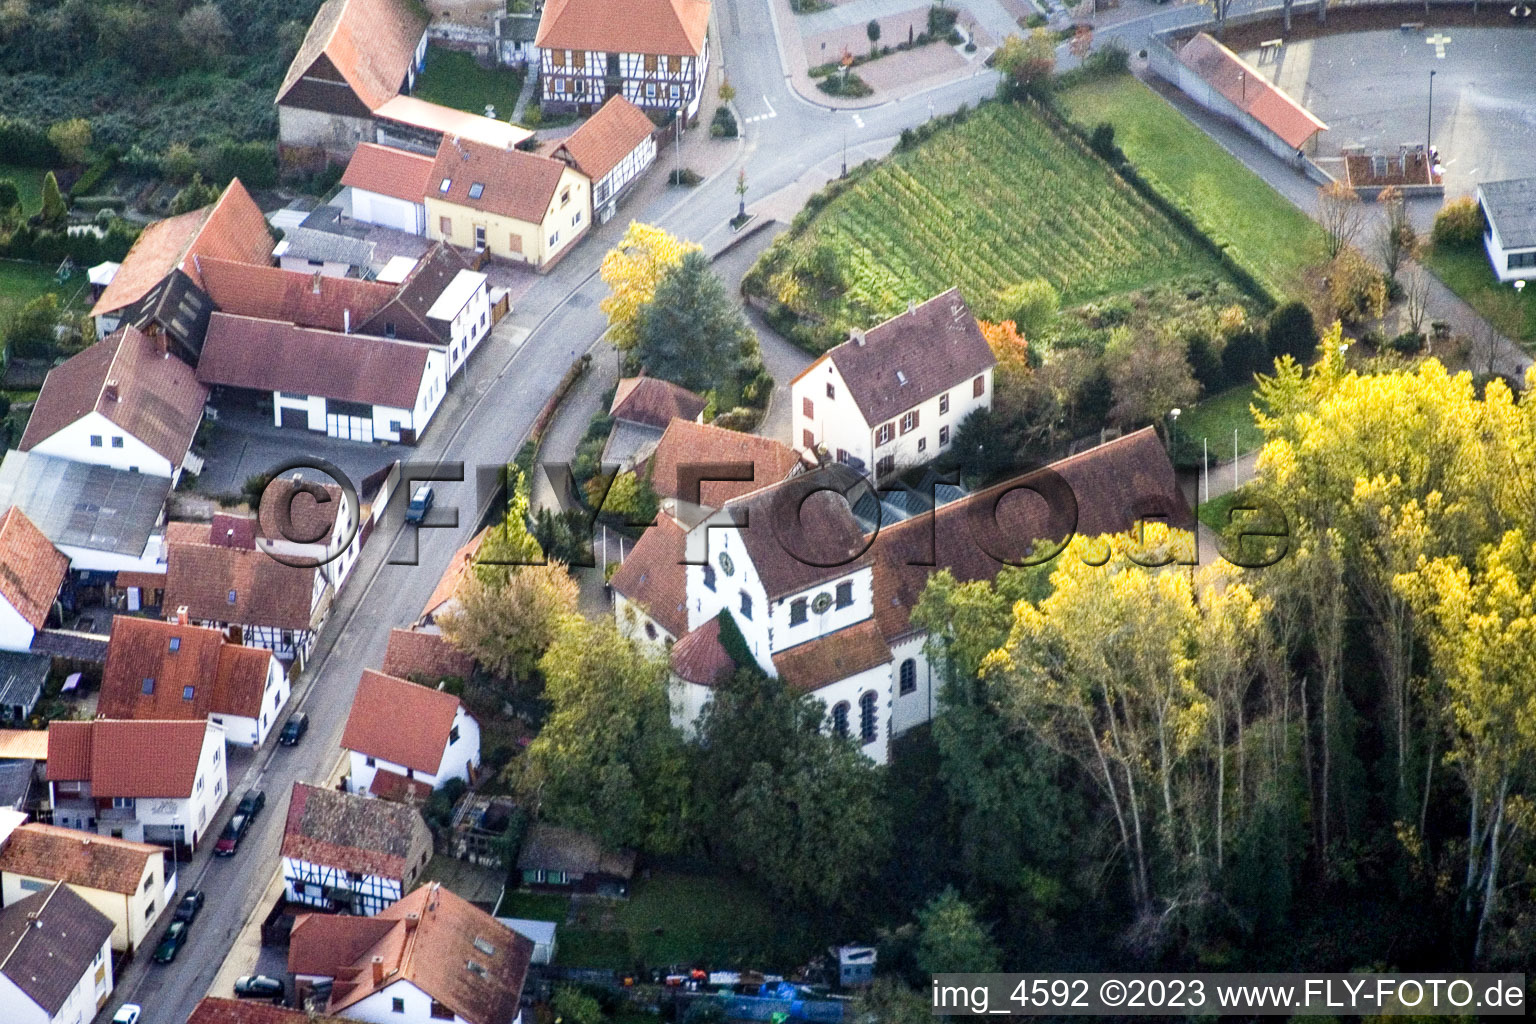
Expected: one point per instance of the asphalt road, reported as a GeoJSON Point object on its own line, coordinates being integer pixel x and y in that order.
{"type": "Point", "coordinates": [483, 421]}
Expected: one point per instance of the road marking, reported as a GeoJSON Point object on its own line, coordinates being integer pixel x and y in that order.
{"type": "Point", "coordinates": [1438, 41]}
{"type": "Point", "coordinates": [771, 111]}
{"type": "Point", "coordinates": [858, 122]}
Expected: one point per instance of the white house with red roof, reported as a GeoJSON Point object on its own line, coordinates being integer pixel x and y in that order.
{"type": "Point", "coordinates": [351, 854]}
{"type": "Point", "coordinates": [388, 187]}
{"type": "Point", "coordinates": [405, 740]}
{"type": "Point", "coordinates": [613, 148]}
{"type": "Point", "coordinates": [144, 781]}
{"type": "Point", "coordinates": [125, 403]}
{"type": "Point", "coordinates": [31, 572]}
{"type": "Point", "coordinates": [892, 397]}
{"type": "Point", "coordinates": [654, 53]}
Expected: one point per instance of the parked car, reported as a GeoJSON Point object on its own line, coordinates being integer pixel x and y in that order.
{"type": "Point", "coordinates": [128, 1013]}
{"type": "Point", "coordinates": [258, 986]}
{"type": "Point", "coordinates": [175, 938]}
{"type": "Point", "coordinates": [252, 803]}
{"type": "Point", "coordinates": [229, 839]}
{"type": "Point", "coordinates": [421, 501]}
{"type": "Point", "coordinates": [190, 904]}
{"type": "Point", "coordinates": [294, 730]}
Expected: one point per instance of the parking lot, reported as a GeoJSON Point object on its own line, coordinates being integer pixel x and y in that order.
{"type": "Point", "coordinates": [1372, 89]}
{"type": "Point", "coordinates": [244, 443]}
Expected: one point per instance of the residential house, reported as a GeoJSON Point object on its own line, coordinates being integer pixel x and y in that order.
{"type": "Point", "coordinates": [304, 522]}
{"type": "Point", "coordinates": [569, 860]}
{"type": "Point", "coordinates": [388, 186]}
{"type": "Point", "coordinates": [701, 464]}
{"type": "Point", "coordinates": [351, 386]}
{"type": "Point", "coordinates": [217, 577]}
{"type": "Point", "coordinates": [55, 959]}
{"type": "Point", "coordinates": [825, 605]}
{"type": "Point", "coordinates": [892, 396]}
{"type": "Point", "coordinates": [308, 299]}
{"type": "Point", "coordinates": [443, 599]}
{"type": "Point", "coordinates": [406, 740]}
{"type": "Point", "coordinates": [351, 854]}
{"type": "Point", "coordinates": [122, 879]}
{"type": "Point", "coordinates": [443, 302]}
{"type": "Point", "coordinates": [656, 55]}
{"type": "Point", "coordinates": [158, 287]}
{"type": "Point", "coordinates": [214, 1010]}
{"type": "Point", "coordinates": [412, 124]}
{"type": "Point", "coordinates": [31, 572]}
{"type": "Point", "coordinates": [148, 781]}
{"type": "Point", "coordinates": [515, 205]}
{"type": "Point", "coordinates": [104, 520]}
{"type": "Point", "coordinates": [431, 957]}
{"type": "Point", "coordinates": [613, 148]}
{"type": "Point", "coordinates": [1509, 211]}
{"type": "Point", "coordinates": [641, 409]}
{"type": "Point", "coordinates": [22, 677]}
{"type": "Point", "coordinates": [124, 403]}
{"type": "Point", "coordinates": [357, 55]}
{"type": "Point", "coordinates": [311, 251]}
{"type": "Point", "coordinates": [174, 671]}
{"type": "Point", "coordinates": [425, 657]}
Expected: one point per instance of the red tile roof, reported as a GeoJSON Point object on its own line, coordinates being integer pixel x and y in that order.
{"type": "Point", "coordinates": [232, 229]}
{"type": "Point", "coordinates": [801, 532]}
{"type": "Point", "coordinates": [128, 759]}
{"type": "Point", "coordinates": [607, 137]}
{"type": "Point", "coordinates": [687, 447]}
{"type": "Point", "coordinates": [389, 172]}
{"type": "Point", "coordinates": [428, 656]}
{"type": "Point", "coordinates": [226, 678]}
{"type": "Point", "coordinates": [200, 576]}
{"type": "Point", "coordinates": [654, 402]}
{"type": "Point", "coordinates": [454, 952]}
{"type": "Point", "coordinates": [1113, 484]}
{"type": "Point", "coordinates": [133, 383]}
{"type": "Point", "coordinates": [1246, 87]}
{"type": "Point", "coordinates": [370, 43]}
{"type": "Point", "coordinates": [653, 576]}
{"type": "Point", "coordinates": [675, 27]}
{"type": "Point", "coordinates": [31, 568]}
{"type": "Point", "coordinates": [808, 667]}
{"type": "Point", "coordinates": [388, 785]}
{"type": "Point", "coordinates": [458, 566]}
{"type": "Point", "coordinates": [400, 722]}
{"type": "Point", "coordinates": [700, 658]}
{"type": "Point", "coordinates": [513, 183]}
{"type": "Point", "coordinates": [268, 355]}
{"type": "Point", "coordinates": [340, 830]}
{"type": "Point", "coordinates": [77, 858]}
{"type": "Point", "coordinates": [310, 300]}
{"type": "Point", "coordinates": [213, 1010]}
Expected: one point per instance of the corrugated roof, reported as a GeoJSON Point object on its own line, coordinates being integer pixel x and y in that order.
{"type": "Point", "coordinates": [79, 505]}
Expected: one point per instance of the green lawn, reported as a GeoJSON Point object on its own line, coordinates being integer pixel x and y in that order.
{"type": "Point", "coordinates": [983, 205]}
{"type": "Point", "coordinates": [1265, 232]}
{"type": "Point", "coordinates": [670, 918]}
{"type": "Point", "coordinates": [1215, 418]}
{"type": "Point", "coordinates": [22, 281]}
{"type": "Point", "coordinates": [453, 79]}
{"type": "Point", "coordinates": [29, 182]}
{"type": "Point", "coordinates": [1467, 273]}
{"type": "Point", "coordinates": [1214, 512]}
{"type": "Point", "coordinates": [534, 906]}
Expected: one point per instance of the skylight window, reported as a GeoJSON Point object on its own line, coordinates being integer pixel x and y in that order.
{"type": "Point", "coordinates": [175, 644]}
{"type": "Point", "coordinates": [484, 946]}
{"type": "Point", "coordinates": [476, 190]}
{"type": "Point", "coordinates": [187, 692]}
{"type": "Point", "coordinates": [901, 378]}
{"type": "Point", "coordinates": [445, 186]}
{"type": "Point", "coordinates": [474, 968]}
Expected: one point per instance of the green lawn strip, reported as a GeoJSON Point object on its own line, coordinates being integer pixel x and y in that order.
{"type": "Point", "coordinates": [1263, 230]}
{"type": "Point", "coordinates": [1467, 273]}
{"type": "Point", "coordinates": [534, 906]}
{"type": "Point", "coordinates": [983, 205]}
{"type": "Point", "coordinates": [1215, 418]}
{"type": "Point", "coordinates": [1214, 512]}
{"type": "Point", "coordinates": [29, 182]}
{"type": "Point", "coordinates": [453, 79]}
{"type": "Point", "coordinates": [21, 281]}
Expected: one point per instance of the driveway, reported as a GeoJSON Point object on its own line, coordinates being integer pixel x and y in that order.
{"type": "Point", "coordinates": [244, 443]}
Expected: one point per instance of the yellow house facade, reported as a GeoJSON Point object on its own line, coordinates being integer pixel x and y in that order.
{"type": "Point", "coordinates": [123, 880]}
{"type": "Point", "coordinates": [515, 205]}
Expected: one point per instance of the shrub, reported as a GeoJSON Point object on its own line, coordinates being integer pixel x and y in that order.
{"type": "Point", "coordinates": [849, 85]}
{"type": "Point", "coordinates": [1102, 142]}
{"type": "Point", "coordinates": [723, 126]}
{"type": "Point", "coordinates": [177, 162]}
{"type": "Point", "coordinates": [1459, 224]}
{"type": "Point", "coordinates": [1031, 305]}
{"type": "Point", "coordinates": [685, 176]}
{"type": "Point", "coordinates": [30, 331]}
{"type": "Point", "coordinates": [1291, 332]}
{"type": "Point", "coordinates": [10, 195]}
{"type": "Point", "coordinates": [25, 143]}
{"type": "Point", "coordinates": [1408, 343]}
{"type": "Point", "coordinates": [87, 182]}
{"type": "Point", "coordinates": [254, 163]}
{"type": "Point", "coordinates": [941, 20]}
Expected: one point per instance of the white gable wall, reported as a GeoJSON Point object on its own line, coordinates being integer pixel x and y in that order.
{"type": "Point", "coordinates": [15, 632]}
{"type": "Point", "coordinates": [115, 447]}
{"type": "Point", "coordinates": [16, 1007]}
{"type": "Point", "coordinates": [252, 732]}
{"type": "Point", "coordinates": [378, 1008]}
{"type": "Point", "coordinates": [458, 758]}
{"type": "Point", "coordinates": [389, 212]}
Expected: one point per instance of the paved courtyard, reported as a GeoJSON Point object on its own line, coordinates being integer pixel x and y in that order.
{"type": "Point", "coordinates": [1372, 88]}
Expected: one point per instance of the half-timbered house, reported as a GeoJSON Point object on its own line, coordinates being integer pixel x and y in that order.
{"type": "Point", "coordinates": [613, 148]}
{"type": "Point", "coordinates": [349, 854]}
{"type": "Point", "coordinates": [656, 55]}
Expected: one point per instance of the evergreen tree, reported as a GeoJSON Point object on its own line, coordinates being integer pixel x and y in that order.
{"type": "Point", "coordinates": [693, 334]}
{"type": "Point", "coordinates": [55, 210]}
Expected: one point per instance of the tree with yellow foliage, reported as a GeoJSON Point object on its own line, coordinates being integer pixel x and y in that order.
{"type": "Point", "coordinates": [632, 270]}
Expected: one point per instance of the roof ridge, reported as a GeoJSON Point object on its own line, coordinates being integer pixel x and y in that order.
{"type": "Point", "coordinates": [22, 937]}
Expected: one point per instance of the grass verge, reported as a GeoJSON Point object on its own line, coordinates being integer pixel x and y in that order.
{"type": "Point", "coordinates": [1216, 417]}
{"type": "Point", "coordinates": [1467, 273]}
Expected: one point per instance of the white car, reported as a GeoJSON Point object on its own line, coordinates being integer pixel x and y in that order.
{"type": "Point", "coordinates": [128, 1013]}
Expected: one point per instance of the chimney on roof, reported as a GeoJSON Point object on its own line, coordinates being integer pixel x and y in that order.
{"type": "Point", "coordinates": [346, 321]}
{"type": "Point", "coordinates": [856, 335]}
{"type": "Point", "coordinates": [411, 921]}
{"type": "Point", "coordinates": [378, 970]}
{"type": "Point", "coordinates": [181, 615]}
{"type": "Point", "coordinates": [314, 286]}
{"type": "Point", "coordinates": [110, 391]}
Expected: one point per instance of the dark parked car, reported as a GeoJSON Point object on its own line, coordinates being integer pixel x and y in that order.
{"type": "Point", "coordinates": [229, 839]}
{"type": "Point", "coordinates": [190, 904]}
{"type": "Point", "coordinates": [294, 730]}
{"type": "Point", "coordinates": [175, 938]}
{"type": "Point", "coordinates": [421, 503]}
{"type": "Point", "coordinates": [258, 986]}
{"type": "Point", "coordinates": [252, 803]}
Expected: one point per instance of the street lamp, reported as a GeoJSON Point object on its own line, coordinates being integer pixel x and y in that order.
{"type": "Point", "coordinates": [1429, 125]}
{"type": "Point", "coordinates": [1173, 430]}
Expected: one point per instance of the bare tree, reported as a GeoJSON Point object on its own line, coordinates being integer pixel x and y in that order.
{"type": "Point", "coordinates": [1341, 213]}
{"type": "Point", "coordinates": [1416, 297]}
{"type": "Point", "coordinates": [1396, 240]}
